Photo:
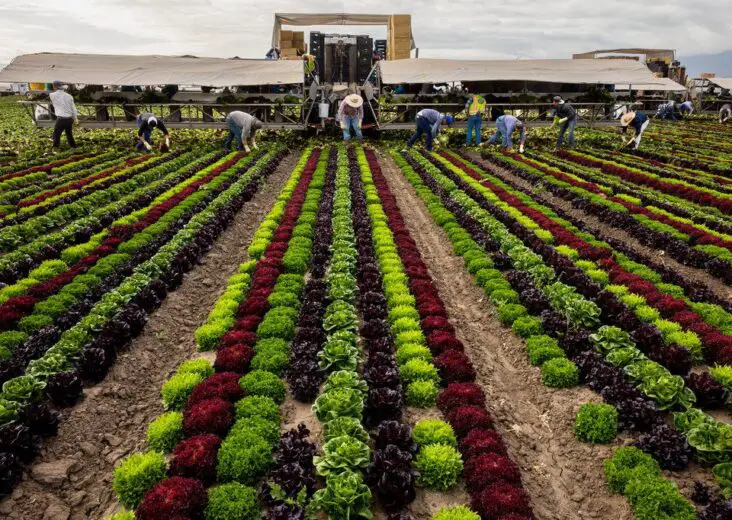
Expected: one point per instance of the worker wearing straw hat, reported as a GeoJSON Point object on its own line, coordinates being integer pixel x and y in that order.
{"type": "Point", "coordinates": [350, 115]}
{"type": "Point", "coordinates": [639, 121]}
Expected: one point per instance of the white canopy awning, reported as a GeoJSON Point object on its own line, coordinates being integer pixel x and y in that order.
{"type": "Point", "coordinates": [658, 85]}
{"type": "Point", "coordinates": [725, 83]}
{"type": "Point", "coordinates": [304, 20]}
{"type": "Point", "coordinates": [589, 71]}
{"type": "Point", "coordinates": [108, 69]}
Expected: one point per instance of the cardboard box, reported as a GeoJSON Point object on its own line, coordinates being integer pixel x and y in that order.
{"type": "Point", "coordinates": [286, 44]}
{"type": "Point", "coordinates": [298, 36]}
{"type": "Point", "coordinates": [285, 35]}
{"type": "Point", "coordinates": [288, 52]}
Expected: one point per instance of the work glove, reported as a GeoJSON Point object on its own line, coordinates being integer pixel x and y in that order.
{"type": "Point", "coordinates": [359, 124]}
{"type": "Point", "coordinates": [255, 146]}
{"type": "Point", "coordinates": [521, 148]}
{"type": "Point", "coordinates": [147, 146]}
{"type": "Point", "coordinates": [343, 125]}
{"type": "Point", "coordinates": [562, 121]}
{"type": "Point", "coordinates": [246, 149]}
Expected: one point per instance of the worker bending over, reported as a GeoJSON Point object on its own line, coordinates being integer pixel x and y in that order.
{"type": "Point", "coordinates": [725, 113]}
{"type": "Point", "coordinates": [146, 123]}
{"type": "Point", "coordinates": [428, 122]}
{"type": "Point", "coordinates": [350, 115]}
{"type": "Point", "coordinates": [666, 111]}
{"type": "Point", "coordinates": [567, 119]}
{"type": "Point", "coordinates": [686, 108]}
{"type": "Point", "coordinates": [505, 125]}
{"type": "Point", "coordinates": [66, 115]}
{"type": "Point", "coordinates": [475, 107]}
{"type": "Point", "coordinates": [242, 126]}
{"type": "Point", "coordinates": [639, 121]}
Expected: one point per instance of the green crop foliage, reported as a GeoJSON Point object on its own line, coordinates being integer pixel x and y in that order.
{"type": "Point", "coordinates": [177, 389]}
{"type": "Point", "coordinates": [422, 394]}
{"type": "Point", "coordinates": [232, 501]}
{"type": "Point", "coordinates": [165, 432]}
{"type": "Point", "coordinates": [258, 406]}
{"type": "Point", "coordinates": [559, 373]}
{"type": "Point", "coordinates": [136, 475]}
{"type": "Point", "coordinates": [439, 466]}
{"type": "Point", "coordinates": [596, 422]}
{"type": "Point", "coordinates": [433, 431]}
{"type": "Point", "coordinates": [267, 384]}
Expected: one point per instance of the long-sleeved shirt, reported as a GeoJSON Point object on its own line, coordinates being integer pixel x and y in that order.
{"type": "Point", "coordinates": [433, 117]}
{"type": "Point", "coordinates": [665, 109]}
{"type": "Point", "coordinates": [510, 123]}
{"type": "Point", "coordinates": [243, 121]}
{"type": "Point", "coordinates": [566, 110]}
{"type": "Point", "coordinates": [637, 122]}
{"type": "Point", "coordinates": [345, 110]}
{"type": "Point", "coordinates": [725, 111]}
{"type": "Point", "coordinates": [145, 126]}
{"type": "Point", "coordinates": [63, 104]}
{"type": "Point", "coordinates": [686, 106]}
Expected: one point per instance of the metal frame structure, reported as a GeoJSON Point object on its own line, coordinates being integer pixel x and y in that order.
{"type": "Point", "coordinates": [709, 106]}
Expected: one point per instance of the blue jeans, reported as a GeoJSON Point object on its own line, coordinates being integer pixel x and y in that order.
{"type": "Point", "coordinates": [668, 115]}
{"type": "Point", "coordinates": [502, 134]}
{"type": "Point", "coordinates": [571, 123]}
{"type": "Point", "coordinates": [423, 127]}
{"type": "Point", "coordinates": [351, 122]}
{"type": "Point", "coordinates": [147, 135]}
{"type": "Point", "coordinates": [234, 133]}
{"type": "Point", "coordinates": [474, 124]}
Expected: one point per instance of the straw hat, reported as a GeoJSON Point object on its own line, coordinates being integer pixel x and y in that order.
{"type": "Point", "coordinates": [354, 101]}
{"type": "Point", "coordinates": [626, 118]}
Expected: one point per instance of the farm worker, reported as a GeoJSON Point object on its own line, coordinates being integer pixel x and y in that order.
{"type": "Point", "coordinates": [505, 125]}
{"type": "Point", "coordinates": [475, 107]}
{"type": "Point", "coordinates": [666, 111]}
{"type": "Point", "coordinates": [66, 115]}
{"type": "Point", "coordinates": [272, 55]}
{"type": "Point", "coordinates": [428, 122]}
{"type": "Point", "coordinates": [687, 107]}
{"type": "Point", "coordinates": [567, 120]}
{"type": "Point", "coordinates": [242, 126]}
{"type": "Point", "coordinates": [146, 123]}
{"type": "Point", "coordinates": [725, 113]}
{"type": "Point", "coordinates": [639, 121]}
{"type": "Point", "coordinates": [350, 115]}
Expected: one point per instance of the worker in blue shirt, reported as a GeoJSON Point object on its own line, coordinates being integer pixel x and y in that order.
{"type": "Point", "coordinates": [505, 125]}
{"type": "Point", "coordinates": [639, 121]}
{"type": "Point", "coordinates": [428, 122]}
{"type": "Point", "coordinates": [666, 111]}
{"type": "Point", "coordinates": [686, 108]}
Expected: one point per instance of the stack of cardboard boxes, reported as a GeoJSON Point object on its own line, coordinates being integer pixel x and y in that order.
{"type": "Point", "coordinates": [400, 37]}
{"type": "Point", "coordinates": [290, 43]}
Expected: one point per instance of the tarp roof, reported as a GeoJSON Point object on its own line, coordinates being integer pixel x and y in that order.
{"type": "Point", "coordinates": [302, 20]}
{"type": "Point", "coordinates": [108, 69]}
{"type": "Point", "coordinates": [659, 84]}
{"type": "Point", "coordinates": [550, 71]}
{"type": "Point", "coordinates": [648, 52]}
{"type": "Point", "coordinates": [725, 83]}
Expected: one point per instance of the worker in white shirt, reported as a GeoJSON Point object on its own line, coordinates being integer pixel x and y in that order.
{"type": "Point", "coordinates": [725, 113]}
{"type": "Point", "coordinates": [686, 108]}
{"type": "Point", "coordinates": [66, 115]}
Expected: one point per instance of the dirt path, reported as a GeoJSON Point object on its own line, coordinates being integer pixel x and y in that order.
{"type": "Point", "coordinates": [72, 477]}
{"type": "Point", "coordinates": [699, 275]}
{"type": "Point", "coordinates": [562, 475]}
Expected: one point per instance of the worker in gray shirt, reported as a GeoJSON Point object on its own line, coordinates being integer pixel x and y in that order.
{"type": "Point", "coordinates": [428, 122]}
{"type": "Point", "coordinates": [242, 126]}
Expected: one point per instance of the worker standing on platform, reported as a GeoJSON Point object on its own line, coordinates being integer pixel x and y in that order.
{"type": "Point", "coordinates": [428, 122]}
{"type": "Point", "coordinates": [639, 121]}
{"type": "Point", "coordinates": [686, 108]}
{"type": "Point", "coordinates": [567, 119]}
{"type": "Point", "coordinates": [505, 125]}
{"type": "Point", "coordinates": [725, 113]}
{"type": "Point", "coordinates": [146, 123]}
{"type": "Point", "coordinates": [350, 115]}
{"type": "Point", "coordinates": [242, 126]}
{"type": "Point", "coordinates": [66, 115]}
{"type": "Point", "coordinates": [475, 107]}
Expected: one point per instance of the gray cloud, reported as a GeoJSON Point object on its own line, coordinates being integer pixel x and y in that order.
{"type": "Point", "coordinates": [453, 28]}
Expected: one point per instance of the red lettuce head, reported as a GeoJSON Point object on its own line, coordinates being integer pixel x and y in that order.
{"type": "Point", "coordinates": [440, 341]}
{"type": "Point", "coordinates": [234, 359]}
{"type": "Point", "coordinates": [176, 497]}
{"type": "Point", "coordinates": [460, 394]}
{"type": "Point", "coordinates": [238, 337]}
{"type": "Point", "coordinates": [455, 367]}
{"type": "Point", "coordinates": [480, 441]}
{"type": "Point", "coordinates": [465, 418]}
{"type": "Point", "coordinates": [501, 499]}
{"type": "Point", "coordinates": [248, 323]}
{"type": "Point", "coordinates": [223, 384]}
{"type": "Point", "coordinates": [490, 468]}
{"type": "Point", "coordinates": [431, 323]}
{"type": "Point", "coordinates": [196, 457]}
{"type": "Point", "coordinates": [210, 416]}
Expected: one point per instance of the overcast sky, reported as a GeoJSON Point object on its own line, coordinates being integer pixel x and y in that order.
{"type": "Point", "coordinates": [442, 28]}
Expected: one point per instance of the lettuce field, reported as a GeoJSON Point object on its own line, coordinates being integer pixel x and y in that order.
{"type": "Point", "coordinates": [316, 330]}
